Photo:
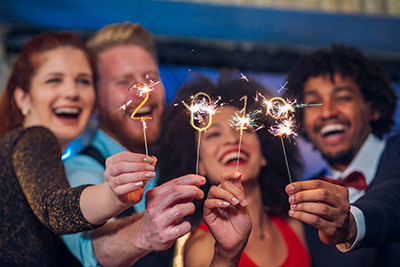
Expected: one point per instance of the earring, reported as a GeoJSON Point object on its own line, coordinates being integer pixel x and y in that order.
{"type": "Point", "coordinates": [25, 111]}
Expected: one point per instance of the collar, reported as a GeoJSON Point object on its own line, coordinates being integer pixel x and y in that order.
{"type": "Point", "coordinates": [106, 145]}
{"type": "Point", "coordinates": [366, 160]}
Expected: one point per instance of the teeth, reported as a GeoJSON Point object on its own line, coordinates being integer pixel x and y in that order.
{"type": "Point", "coordinates": [144, 110]}
{"type": "Point", "coordinates": [232, 156]}
{"type": "Point", "coordinates": [332, 128]}
{"type": "Point", "coordinates": [67, 110]}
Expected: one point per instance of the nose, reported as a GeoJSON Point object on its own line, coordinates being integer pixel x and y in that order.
{"type": "Point", "coordinates": [71, 90]}
{"type": "Point", "coordinates": [232, 136]}
{"type": "Point", "coordinates": [328, 110]}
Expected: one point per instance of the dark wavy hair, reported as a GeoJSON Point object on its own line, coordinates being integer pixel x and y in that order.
{"type": "Point", "coordinates": [25, 67]}
{"type": "Point", "coordinates": [351, 63]}
{"type": "Point", "coordinates": [178, 142]}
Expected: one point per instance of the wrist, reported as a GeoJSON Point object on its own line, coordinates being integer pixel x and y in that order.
{"type": "Point", "coordinates": [226, 257]}
{"type": "Point", "coordinates": [352, 232]}
{"type": "Point", "coordinates": [141, 239]}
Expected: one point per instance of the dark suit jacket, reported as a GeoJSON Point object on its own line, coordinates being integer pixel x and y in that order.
{"type": "Point", "coordinates": [381, 208]}
{"type": "Point", "coordinates": [381, 204]}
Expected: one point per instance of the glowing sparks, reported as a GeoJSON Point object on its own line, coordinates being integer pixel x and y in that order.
{"type": "Point", "coordinates": [283, 87]}
{"type": "Point", "coordinates": [243, 77]}
{"type": "Point", "coordinates": [201, 108]}
{"type": "Point", "coordinates": [143, 90]}
{"type": "Point", "coordinates": [242, 121]}
{"type": "Point", "coordinates": [284, 127]}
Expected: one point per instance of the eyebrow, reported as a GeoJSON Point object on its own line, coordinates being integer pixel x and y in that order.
{"type": "Point", "coordinates": [336, 89]}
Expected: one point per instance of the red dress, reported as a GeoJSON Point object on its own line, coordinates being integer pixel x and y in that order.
{"type": "Point", "coordinates": [297, 254]}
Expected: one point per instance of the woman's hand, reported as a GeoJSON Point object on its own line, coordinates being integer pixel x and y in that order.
{"type": "Point", "coordinates": [226, 216]}
{"type": "Point", "coordinates": [127, 173]}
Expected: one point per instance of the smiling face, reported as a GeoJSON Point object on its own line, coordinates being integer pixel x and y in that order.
{"type": "Point", "coordinates": [61, 95]}
{"type": "Point", "coordinates": [219, 150]}
{"type": "Point", "coordinates": [119, 67]}
{"type": "Point", "coordinates": [339, 127]}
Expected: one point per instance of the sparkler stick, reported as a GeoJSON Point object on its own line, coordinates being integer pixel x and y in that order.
{"type": "Point", "coordinates": [243, 125]}
{"type": "Point", "coordinates": [286, 161]}
{"type": "Point", "coordinates": [284, 127]}
{"type": "Point", "coordinates": [142, 89]}
{"type": "Point", "coordinates": [203, 109]}
{"type": "Point", "coordinates": [280, 110]}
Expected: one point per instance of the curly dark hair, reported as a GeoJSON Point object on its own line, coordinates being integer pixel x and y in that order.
{"type": "Point", "coordinates": [351, 63]}
{"type": "Point", "coordinates": [178, 142]}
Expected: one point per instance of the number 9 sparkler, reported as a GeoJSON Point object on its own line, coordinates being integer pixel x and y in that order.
{"type": "Point", "coordinates": [278, 108]}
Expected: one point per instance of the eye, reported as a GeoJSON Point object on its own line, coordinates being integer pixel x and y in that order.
{"type": "Point", "coordinates": [343, 98]}
{"type": "Point", "coordinates": [124, 83]}
{"type": "Point", "coordinates": [84, 81]}
{"type": "Point", "coordinates": [53, 80]}
{"type": "Point", "coordinates": [211, 135]}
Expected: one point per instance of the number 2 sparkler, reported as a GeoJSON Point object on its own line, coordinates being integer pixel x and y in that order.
{"type": "Point", "coordinates": [142, 89]}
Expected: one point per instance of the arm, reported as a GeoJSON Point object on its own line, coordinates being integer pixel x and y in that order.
{"type": "Point", "coordinates": [381, 209]}
{"type": "Point", "coordinates": [40, 172]}
{"type": "Point", "coordinates": [229, 222]}
{"type": "Point", "coordinates": [126, 174]}
{"type": "Point", "coordinates": [123, 242]}
{"type": "Point", "coordinates": [326, 207]}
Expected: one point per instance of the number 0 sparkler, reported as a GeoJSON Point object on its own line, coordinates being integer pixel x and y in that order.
{"type": "Point", "coordinates": [200, 109]}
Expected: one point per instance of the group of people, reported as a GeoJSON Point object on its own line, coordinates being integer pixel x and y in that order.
{"type": "Point", "coordinates": [251, 216]}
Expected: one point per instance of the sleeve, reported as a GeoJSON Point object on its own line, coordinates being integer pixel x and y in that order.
{"type": "Point", "coordinates": [80, 245]}
{"type": "Point", "coordinates": [83, 169]}
{"type": "Point", "coordinates": [381, 203]}
{"type": "Point", "coordinates": [37, 162]}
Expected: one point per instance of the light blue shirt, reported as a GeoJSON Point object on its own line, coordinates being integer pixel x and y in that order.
{"type": "Point", "coordinates": [83, 169]}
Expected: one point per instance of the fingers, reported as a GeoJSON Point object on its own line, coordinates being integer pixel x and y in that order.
{"type": "Point", "coordinates": [126, 172]}
{"type": "Point", "coordinates": [178, 190]}
{"type": "Point", "coordinates": [317, 191]}
{"type": "Point", "coordinates": [130, 157]}
{"type": "Point", "coordinates": [230, 189]}
{"type": "Point", "coordinates": [308, 185]}
{"type": "Point", "coordinates": [232, 176]}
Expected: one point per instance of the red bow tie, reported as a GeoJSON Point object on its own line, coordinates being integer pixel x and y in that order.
{"type": "Point", "coordinates": [355, 180]}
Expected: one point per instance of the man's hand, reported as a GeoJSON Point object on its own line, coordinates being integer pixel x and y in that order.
{"type": "Point", "coordinates": [166, 206]}
{"type": "Point", "coordinates": [325, 206]}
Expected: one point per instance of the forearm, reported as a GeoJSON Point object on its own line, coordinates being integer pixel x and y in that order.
{"type": "Point", "coordinates": [99, 203]}
{"type": "Point", "coordinates": [117, 243]}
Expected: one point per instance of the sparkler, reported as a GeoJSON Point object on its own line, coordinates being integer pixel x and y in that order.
{"type": "Point", "coordinates": [284, 127]}
{"type": "Point", "coordinates": [280, 110]}
{"type": "Point", "coordinates": [242, 121]}
{"type": "Point", "coordinates": [143, 90]}
{"type": "Point", "coordinates": [200, 109]}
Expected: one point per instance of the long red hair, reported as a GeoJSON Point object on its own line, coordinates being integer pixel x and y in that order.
{"type": "Point", "coordinates": [24, 68]}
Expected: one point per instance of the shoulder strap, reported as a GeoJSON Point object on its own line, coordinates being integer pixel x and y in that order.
{"type": "Point", "coordinates": [94, 153]}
